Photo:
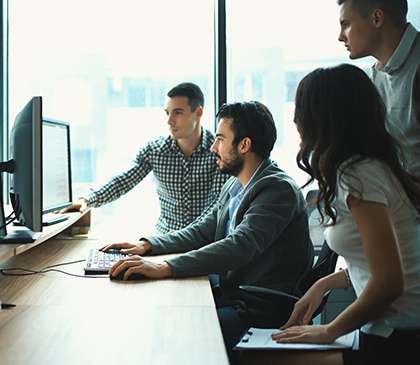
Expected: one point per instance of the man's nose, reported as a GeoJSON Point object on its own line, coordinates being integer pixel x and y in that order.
{"type": "Point", "coordinates": [213, 147]}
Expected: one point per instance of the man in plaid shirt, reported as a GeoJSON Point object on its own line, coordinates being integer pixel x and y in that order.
{"type": "Point", "coordinates": [187, 176]}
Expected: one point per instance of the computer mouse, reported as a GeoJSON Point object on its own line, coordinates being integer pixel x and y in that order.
{"type": "Point", "coordinates": [114, 250]}
{"type": "Point", "coordinates": [135, 276]}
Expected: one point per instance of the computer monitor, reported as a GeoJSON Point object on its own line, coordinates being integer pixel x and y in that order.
{"type": "Point", "coordinates": [25, 168]}
{"type": "Point", "coordinates": [56, 168]}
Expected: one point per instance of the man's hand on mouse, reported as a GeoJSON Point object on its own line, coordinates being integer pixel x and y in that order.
{"type": "Point", "coordinates": [127, 248]}
{"type": "Point", "coordinates": [136, 264]}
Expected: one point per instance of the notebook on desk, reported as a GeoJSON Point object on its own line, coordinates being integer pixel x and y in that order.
{"type": "Point", "coordinates": [99, 262]}
{"type": "Point", "coordinates": [260, 339]}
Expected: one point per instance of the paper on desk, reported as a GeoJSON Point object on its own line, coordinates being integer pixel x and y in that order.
{"type": "Point", "coordinates": [260, 338]}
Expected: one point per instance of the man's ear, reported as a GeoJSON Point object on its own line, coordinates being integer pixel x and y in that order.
{"type": "Point", "coordinates": [377, 17]}
{"type": "Point", "coordinates": [245, 145]}
{"type": "Point", "coordinates": [199, 112]}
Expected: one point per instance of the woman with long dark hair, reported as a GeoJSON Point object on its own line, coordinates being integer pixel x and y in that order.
{"type": "Point", "coordinates": [371, 207]}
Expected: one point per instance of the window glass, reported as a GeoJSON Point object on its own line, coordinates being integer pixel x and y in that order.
{"type": "Point", "coordinates": [105, 67]}
{"type": "Point", "coordinates": [413, 15]}
{"type": "Point", "coordinates": [271, 45]}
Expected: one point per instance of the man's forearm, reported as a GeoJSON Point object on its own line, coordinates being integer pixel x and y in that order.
{"type": "Point", "coordinates": [166, 270]}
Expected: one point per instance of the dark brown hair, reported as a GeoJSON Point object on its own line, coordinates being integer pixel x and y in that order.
{"type": "Point", "coordinates": [341, 119]}
{"type": "Point", "coordinates": [189, 90]}
{"type": "Point", "coordinates": [254, 120]}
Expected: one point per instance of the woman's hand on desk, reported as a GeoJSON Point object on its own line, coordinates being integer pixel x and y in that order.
{"type": "Point", "coordinates": [305, 334]}
{"type": "Point", "coordinates": [137, 265]}
{"type": "Point", "coordinates": [127, 248]}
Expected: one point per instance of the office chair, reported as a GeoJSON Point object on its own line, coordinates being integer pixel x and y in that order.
{"type": "Point", "coordinates": [282, 303]}
{"type": "Point", "coordinates": [316, 230]}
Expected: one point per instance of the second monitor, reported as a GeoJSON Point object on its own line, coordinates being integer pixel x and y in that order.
{"type": "Point", "coordinates": [56, 176]}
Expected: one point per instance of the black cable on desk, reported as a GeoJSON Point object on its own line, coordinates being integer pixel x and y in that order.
{"type": "Point", "coordinates": [63, 263]}
{"type": "Point", "coordinates": [25, 272]}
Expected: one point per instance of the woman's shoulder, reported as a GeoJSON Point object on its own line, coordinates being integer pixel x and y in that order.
{"type": "Point", "coordinates": [360, 166]}
{"type": "Point", "coordinates": [368, 178]}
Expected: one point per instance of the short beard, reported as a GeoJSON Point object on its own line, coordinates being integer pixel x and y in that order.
{"type": "Point", "coordinates": [234, 166]}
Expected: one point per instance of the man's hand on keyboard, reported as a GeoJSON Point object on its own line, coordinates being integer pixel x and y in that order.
{"type": "Point", "coordinates": [129, 248]}
{"type": "Point", "coordinates": [137, 265]}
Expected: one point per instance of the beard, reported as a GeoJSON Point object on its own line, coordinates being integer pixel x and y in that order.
{"type": "Point", "coordinates": [234, 166]}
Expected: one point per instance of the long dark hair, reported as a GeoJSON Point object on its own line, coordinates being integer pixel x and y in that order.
{"type": "Point", "coordinates": [341, 119]}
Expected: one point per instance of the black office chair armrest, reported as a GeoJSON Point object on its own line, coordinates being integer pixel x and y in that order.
{"type": "Point", "coordinates": [260, 291]}
{"type": "Point", "coordinates": [284, 302]}
{"type": "Point", "coordinates": [264, 307]}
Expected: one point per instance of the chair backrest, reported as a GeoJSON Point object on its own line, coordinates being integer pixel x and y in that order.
{"type": "Point", "coordinates": [324, 265]}
{"type": "Point", "coordinates": [274, 307]}
{"type": "Point", "coordinates": [316, 229]}
{"type": "Point", "coordinates": [326, 258]}
{"type": "Point", "coordinates": [310, 200]}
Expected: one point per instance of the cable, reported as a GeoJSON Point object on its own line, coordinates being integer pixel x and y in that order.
{"type": "Point", "coordinates": [13, 212]}
{"type": "Point", "coordinates": [26, 272]}
{"type": "Point", "coordinates": [64, 263]}
{"type": "Point", "coordinates": [9, 219]}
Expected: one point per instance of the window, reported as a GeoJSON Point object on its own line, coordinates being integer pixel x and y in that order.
{"type": "Point", "coordinates": [271, 46]}
{"type": "Point", "coordinates": [105, 67]}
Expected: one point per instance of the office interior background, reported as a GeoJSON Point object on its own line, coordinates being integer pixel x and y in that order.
{"type": "Point", "coordinates": [105, 68]}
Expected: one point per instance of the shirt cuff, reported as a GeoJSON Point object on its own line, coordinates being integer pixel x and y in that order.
{"type": "Point", "coordinates": [90, 199]}
{"type": "Point", "coordinates": [156, 247]}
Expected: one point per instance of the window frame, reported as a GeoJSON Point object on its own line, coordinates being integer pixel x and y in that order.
{"type": "Point", "coordinates": [4, 89]}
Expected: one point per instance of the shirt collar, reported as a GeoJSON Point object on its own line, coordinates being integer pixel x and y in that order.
{"type": "Point", "coordinates": [204, 145]}
{"type": "Point", "coordinates": [402, 52]}
{"type": "Point", "coordinates": [237, 188]}
{"type": "Point", "coordinates": [207, 140]}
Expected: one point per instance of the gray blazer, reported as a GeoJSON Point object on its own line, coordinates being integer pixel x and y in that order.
{"type": "Point", "coordinates": [269, 246]}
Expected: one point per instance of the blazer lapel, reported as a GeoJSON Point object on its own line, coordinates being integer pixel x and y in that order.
{"type": "Point", "coordinates": [223, 210]}
{"type": "Point", "coordinates": [223, 216]}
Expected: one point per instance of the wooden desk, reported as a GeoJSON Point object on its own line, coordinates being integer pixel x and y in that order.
{"type": "Point", "coordinates": [74, 222]}
{"type": "Point", "coordinates": [61, 319]}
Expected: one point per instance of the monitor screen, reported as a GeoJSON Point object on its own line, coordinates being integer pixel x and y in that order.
{"type": "Point", "coordinates": [56, 169]}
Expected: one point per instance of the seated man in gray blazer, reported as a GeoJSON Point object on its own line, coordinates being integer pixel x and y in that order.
{"type": "Point", "coordinates": [256, 235]}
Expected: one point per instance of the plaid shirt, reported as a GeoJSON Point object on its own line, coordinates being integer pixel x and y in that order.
{"type": "Point", "coordinates": [187, 188]}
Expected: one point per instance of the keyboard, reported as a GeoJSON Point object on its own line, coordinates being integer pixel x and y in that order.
{"type": "Point", "coordinates": [99, 262]}
{"type": "Point", "coordinates": [52, 218]}
{"type": "Point", "coordinates": [48, 219]}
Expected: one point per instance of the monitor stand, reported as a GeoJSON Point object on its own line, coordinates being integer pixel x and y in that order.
{"type": "Point", "coordinates": [16, 235]}
{"type": "Point", "coordinates": [19, 236]}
